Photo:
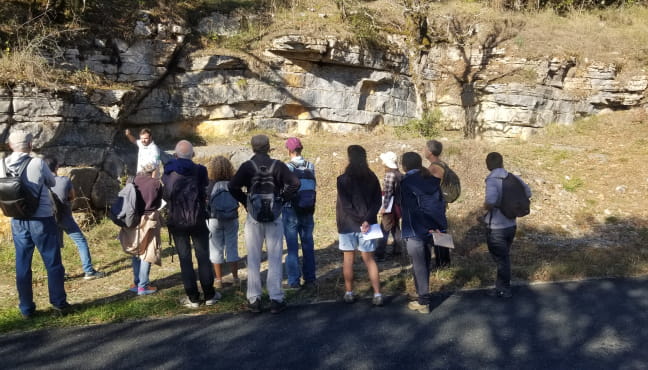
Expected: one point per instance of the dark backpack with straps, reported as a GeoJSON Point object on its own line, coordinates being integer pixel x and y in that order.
{"type": "Point", "coordinates": [514, 202]}
{"type": "Point", "coordinates": [450, 184]}
{"type": "Point", "coordinates": [304, 200]}
{"type": "Point", "coordinates": [16, 199]}
{"type": "Point", "coordinates": [186, 201]}
{"type": "Point", "coordinates": [262, 203]}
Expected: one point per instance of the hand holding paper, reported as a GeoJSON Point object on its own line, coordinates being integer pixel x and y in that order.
{"type": "Point", "coordinates": [374, 232]}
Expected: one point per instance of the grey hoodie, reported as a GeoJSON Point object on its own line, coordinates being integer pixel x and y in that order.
{"type": "Point", "coordinates": [35, 175]}
{"type": "Point", "coordinates": [495, 219]}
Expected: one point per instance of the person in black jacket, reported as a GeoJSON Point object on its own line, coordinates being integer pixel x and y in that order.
{"type": "Point", "coordinates": [423, 211]}
{"type": "Point", "coordinates": [358, 202]}
{"type": "Point", "coordinates": [285, 185]}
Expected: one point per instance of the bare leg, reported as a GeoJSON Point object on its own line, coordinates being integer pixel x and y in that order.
{"type": "Point", "coordinates": [218, 270]}
{"type": "Point", "coordinates": [234, 267]}
{"type": "Point", "coordinates": [372, 270]}
{"type": "Point", "coordinates": [347, 269]}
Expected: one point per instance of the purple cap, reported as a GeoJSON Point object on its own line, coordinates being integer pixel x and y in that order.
{"type": "Point", "coordinates": [293, 143]}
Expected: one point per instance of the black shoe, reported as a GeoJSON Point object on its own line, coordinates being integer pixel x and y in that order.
{"type": "Point", "coordinates": [500, 293]}
{"type": "Point", "coordinates": [276, 306]}
{"type": "Point", "coordinates": [255, 307]}
{"type": "Point", "coordinates": [63, 310]}
{"type": "Point", "coordinates": [27, 316]}
{"type": "Point", "coordinates": [310, 284]}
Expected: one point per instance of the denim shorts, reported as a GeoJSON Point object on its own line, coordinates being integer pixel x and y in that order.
{"type": "Point", "coordinates": [352, 241]}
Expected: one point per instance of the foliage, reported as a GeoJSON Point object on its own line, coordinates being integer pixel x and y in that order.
{"type": "Point", "coordinates": [362, 22]}
{"type": "Point", "coordinates": [426, 127]}
{"type": "Point", "coordinates": [562, 6]}
{"type": "Point", "coordinates": [571, 184]}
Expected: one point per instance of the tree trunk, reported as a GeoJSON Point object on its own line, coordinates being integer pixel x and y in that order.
{"type": "Point", "coordinates": [469, 105]}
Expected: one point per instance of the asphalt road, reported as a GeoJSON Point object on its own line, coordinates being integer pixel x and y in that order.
{"type": "Point", "coordinates": [599, 324]}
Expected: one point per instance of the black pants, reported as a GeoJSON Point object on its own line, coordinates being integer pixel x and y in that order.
{"type": "Point", "coordinates": [420, 252]}
{"type": "Point", "coordinates": [499, 245]}
{"type": "Point", "coordinates": [441, 256]}
{"type": "Point", "coordinates": [200, 239]}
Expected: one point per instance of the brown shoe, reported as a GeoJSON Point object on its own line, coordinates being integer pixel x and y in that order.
{"type": "Point", "coordinates": [415, 306]}
{"type": "Point", "coordinates": [218, 284]}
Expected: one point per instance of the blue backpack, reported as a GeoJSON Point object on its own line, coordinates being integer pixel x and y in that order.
{"type": "Point", "coordinates": [306, 196]}
{"type": "Point", "coordinates": [222, 205]}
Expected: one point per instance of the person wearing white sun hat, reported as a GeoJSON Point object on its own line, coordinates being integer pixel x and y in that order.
{"type": "Point", "coordinates": [390, 209]}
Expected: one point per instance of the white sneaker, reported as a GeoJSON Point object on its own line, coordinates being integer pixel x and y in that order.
{"type": "Point", "coordinates": [349, 298]}
{"type": "Point", "coordinates": [213, 300]}
{"type": "Point", "coordinates": [188, 303]}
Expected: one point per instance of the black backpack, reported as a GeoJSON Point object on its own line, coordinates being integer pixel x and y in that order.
{"type": "Point", "coordinates": [304, 200]}
{"type": "Point", "coordinates": [16, 199]}
{"type": "Point", "coordinates": [262, 203]}
{"type": "Point", "coordinates": [514, 202]}
{"type": "Point", "coordinates": [186, 201]}
{"type": "Point", "coordinates": [450, 184]}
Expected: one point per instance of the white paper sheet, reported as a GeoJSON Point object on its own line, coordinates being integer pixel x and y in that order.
{"type": "Point", "coordinates": [443, 240]}
{"type": "Point", "coordinates": [374, 232]}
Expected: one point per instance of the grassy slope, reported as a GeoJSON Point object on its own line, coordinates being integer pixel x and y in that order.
{"type": "Point", "coordinates": [588, 219]}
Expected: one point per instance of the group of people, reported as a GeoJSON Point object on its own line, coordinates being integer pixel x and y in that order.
{"type": "Point", "coordinates": [202, 202]}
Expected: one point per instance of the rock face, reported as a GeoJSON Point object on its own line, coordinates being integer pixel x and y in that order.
{"type": "Point", "coordinates": [298, 84]}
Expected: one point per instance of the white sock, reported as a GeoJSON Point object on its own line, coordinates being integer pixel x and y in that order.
{"type": "Point", "coordinates": [349, 293]}
{"type": "Point", "coordinates": [377, 295]}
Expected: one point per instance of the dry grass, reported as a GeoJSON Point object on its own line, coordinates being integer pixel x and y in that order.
{"type": "Point", "coordinates": [615, 36]}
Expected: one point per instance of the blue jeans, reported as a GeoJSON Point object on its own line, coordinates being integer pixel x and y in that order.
{"type": "Point", "coordinates": [74, 232]}
{"type": "Point", "coordinates": [41, 233]}
{"type": "Point", "coordinates": [499, 245]}
{"type": "Point", "coordinates": [141, 270]}
{"type": "Point", "coordinates": [297, 224]}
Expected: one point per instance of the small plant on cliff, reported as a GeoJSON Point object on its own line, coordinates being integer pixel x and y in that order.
{"type": "Point", "coordinates": [427, 126]}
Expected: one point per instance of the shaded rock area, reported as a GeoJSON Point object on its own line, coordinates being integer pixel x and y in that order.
{"type": "Point", "coordinates": [298, 84]}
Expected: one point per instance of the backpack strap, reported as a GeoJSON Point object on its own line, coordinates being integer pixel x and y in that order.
{"type": "Point", "coordinates": [23, 167]}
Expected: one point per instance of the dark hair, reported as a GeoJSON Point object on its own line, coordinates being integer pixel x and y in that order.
{"type": "Point", "coordinates": [413, 161]}
{"type": "Point", "coordinates": [51, 162]}
{"type": "Point", "coordinates": [358, 167]}
{"type": "Point", "coordinates": [435, 147]}
{"type": "Point", "coordinates": [494, 160]}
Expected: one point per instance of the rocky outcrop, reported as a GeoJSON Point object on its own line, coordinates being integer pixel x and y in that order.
{"type": "Point", "coordinates": [298, 84]}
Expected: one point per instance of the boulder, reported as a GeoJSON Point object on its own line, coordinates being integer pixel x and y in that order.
{"type": "Point", "coordinates": [83, 180]}
{"type": "Point", "coordinates": [104, 191]}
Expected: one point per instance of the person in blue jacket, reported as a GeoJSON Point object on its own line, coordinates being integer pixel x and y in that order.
{"type": "Point", "coordinates": [423, 210]}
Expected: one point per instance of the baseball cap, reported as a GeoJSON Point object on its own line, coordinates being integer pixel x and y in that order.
{"type": "Point", "coordinates": [260, 144]}
{"type": "Point", "coordinates": [293, 143]}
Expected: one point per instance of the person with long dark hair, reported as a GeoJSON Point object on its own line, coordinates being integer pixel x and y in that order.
{"type": "Point", "coordinates": [423, 211]}
{"type": "Point", "coordinates": [358, 202]}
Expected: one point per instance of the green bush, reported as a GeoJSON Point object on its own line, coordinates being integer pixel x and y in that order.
{"type": "Point", "coordinates": [427, 126]}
